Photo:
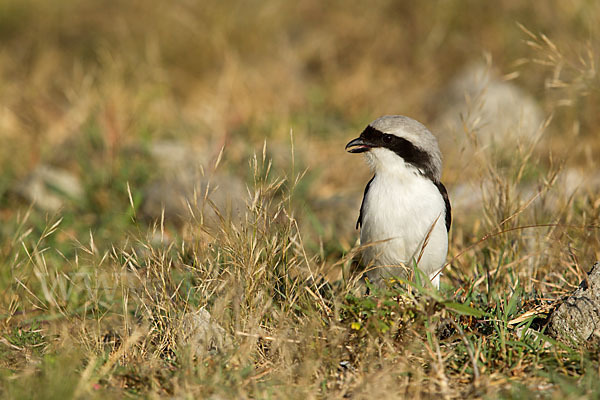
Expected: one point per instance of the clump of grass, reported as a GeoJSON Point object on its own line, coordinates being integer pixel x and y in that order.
{"type": "Point", "coordinates": [289, 332]}
{"type": "Point", "coordinates": [127, 309]}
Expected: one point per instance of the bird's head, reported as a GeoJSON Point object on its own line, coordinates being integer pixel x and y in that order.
{"type": "Point", "coordinates": [396, 142]}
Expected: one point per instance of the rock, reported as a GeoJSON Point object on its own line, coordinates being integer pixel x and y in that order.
{"type": "Point", "coordinates": [180, 182]}
{"type": "Point", "coordinates": [202, 334]}
{"type": "Point", "coordinates": [172, 156]}
{"type": "Point", "coordinates": [572, 180]}
{"type": "Point", "coordinates": [498, 111]}
{"type": "Point", "coordinates": [467, 197]}
{"type": "Point", "coordinates": [50, 188]}
{"type": "Point", "coordinates": [173, 194]}
{"type": "Point", "coordinates": [577, 319]}
{"type": "Point", "coordinates": [569, 183]}
{"type": "Point", "coordinates": [342, 222]}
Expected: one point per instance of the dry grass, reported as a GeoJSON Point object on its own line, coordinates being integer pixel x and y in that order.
{"type": "Point", "coordinates": [96, 302]}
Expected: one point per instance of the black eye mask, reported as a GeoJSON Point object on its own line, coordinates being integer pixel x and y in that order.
{"type": "Point", "coordinates": [402, 147]}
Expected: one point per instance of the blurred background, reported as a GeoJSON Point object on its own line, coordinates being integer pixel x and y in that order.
{"type": "Point", "coordinates": [104, 104]}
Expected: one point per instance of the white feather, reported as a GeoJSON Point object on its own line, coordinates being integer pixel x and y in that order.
{"type": "Point", "coordinates": [401, 208]}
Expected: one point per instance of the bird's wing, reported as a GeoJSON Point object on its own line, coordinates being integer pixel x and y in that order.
{"type": "Point", "coordinates": [360, 215]}
{"type": "Point", "coordinates": [444, 194]}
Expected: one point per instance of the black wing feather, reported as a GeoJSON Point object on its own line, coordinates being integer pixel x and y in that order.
{"type": "Point", "coordinates": [444, 194]}
{"type": "Point", "coordinates": [362, 204]}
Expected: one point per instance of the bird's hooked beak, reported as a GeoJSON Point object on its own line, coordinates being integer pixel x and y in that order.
{"type": "Point", "coordinates": [358, 145]}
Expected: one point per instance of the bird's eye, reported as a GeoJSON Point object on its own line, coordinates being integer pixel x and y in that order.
{"type": "Point", "coordinates": [387, 138]}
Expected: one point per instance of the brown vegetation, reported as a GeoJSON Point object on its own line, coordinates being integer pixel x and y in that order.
{"type": "Point", "coordinates": [100, 298]}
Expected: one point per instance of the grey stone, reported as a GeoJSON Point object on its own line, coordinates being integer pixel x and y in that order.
{"type": "Point", "coordinates": [342, 222]}
{"type": "Point", "coordinates": [577, 319]}
{"type": "Point", "coordinates": [177, 194]}
{"type": "Point", "coordinates": [172, 155]}
{"type": "Point", "coordinates": [467, 197]}
{"type": "Point", "coordinates": [569, 183]}
{"type": "Point", "coordinates": [51, 188]}
{"type": "Point", "coordinates": [182, 186]}
{"type": "Point", "coordinates": [572, 180]}
{"type": "Point", "coordinates": [203, 334]}
{"type": "Point", "coordinates": [497, 111]}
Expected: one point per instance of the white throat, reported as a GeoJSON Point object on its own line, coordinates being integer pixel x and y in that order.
{"type": "Point", "coordinates": [385, 161]}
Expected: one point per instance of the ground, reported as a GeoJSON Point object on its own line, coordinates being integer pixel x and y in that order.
{"type": "Point", "coordinates": [177, 210]}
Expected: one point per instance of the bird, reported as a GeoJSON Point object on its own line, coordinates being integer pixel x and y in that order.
{"type": "Point", "coordinates": [405, 214]}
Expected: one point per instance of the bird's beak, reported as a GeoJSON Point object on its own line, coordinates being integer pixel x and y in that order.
{"type": "Point", "coordinates": [358, 145]}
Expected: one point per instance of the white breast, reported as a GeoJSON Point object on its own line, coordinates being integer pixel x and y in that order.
{"type": "Point", "coordinates": [402, 208]}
